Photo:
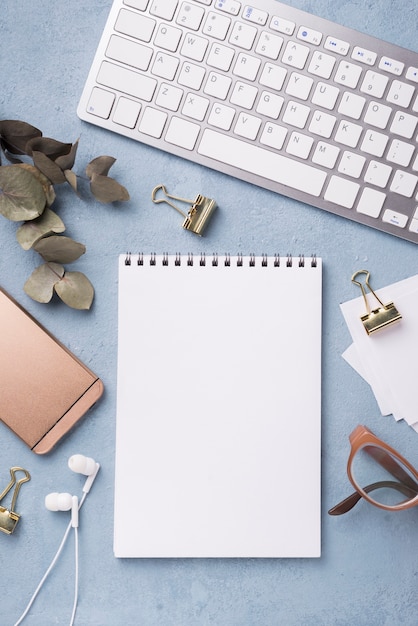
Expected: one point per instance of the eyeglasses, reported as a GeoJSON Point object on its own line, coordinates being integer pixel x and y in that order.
{"type": "Point", "coordinates": [379, 474]}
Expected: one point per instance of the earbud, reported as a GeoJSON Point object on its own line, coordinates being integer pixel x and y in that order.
{"type": "Point", "coordinates": [84, 465]}
{"type": "Point", "coordinates": [63, 502]}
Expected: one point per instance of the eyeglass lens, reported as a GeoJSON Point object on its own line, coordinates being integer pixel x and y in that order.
{"type": "Point", "coordinates": [383, 476]}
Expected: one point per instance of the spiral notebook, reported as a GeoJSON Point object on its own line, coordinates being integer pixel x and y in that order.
{"type": "Point", "coordinates": [218, 431]}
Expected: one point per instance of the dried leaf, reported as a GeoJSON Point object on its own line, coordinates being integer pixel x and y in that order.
{"type": "Point", "coordinates": [100, 165]}
{"type": "Point", "coordinates": [21, 195]}
{"type": "Point", "coordinates": [48, 168]}
{"type": "Point", "coordinates": [40, 284]}
{"type": "Point", "coordinates": [107, 189]}
{"type": "Point", "coordinates": [75, 290]}
{"type": "Point", "coordinates": [45, 182]}
{"type": "Point", "coordinates": [50, 147]}
{"type": "Point", "coordinates": [31, 232]}
{"type": "Point", "coordinates": [14, 135]}
{"type": "Point", "coordinates": [66, 161]}
{"type": "Point", "coordinates": [59, 249]}
{"type": "Point", "coordinates": [71, 179]}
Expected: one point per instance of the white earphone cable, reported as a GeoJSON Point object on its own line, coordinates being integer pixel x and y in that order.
{"type": "Point", "coordinates": [51, 566]}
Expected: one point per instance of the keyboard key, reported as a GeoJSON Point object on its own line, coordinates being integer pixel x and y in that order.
{"type": "Point", "coordinates": [378, 174]}
{"type": "Point", "coordinates": [351, 164]}
{"type": "Point", "coordinates": [325, 95]}
{"type": "Point", "coordinates": [135, 25]}
{"type": "Point", "coordinates": [400, 152]}
{"type": "Point", "coordinates": [404, 184]}
{"type": "Point", "coordinates": [128, 52]}
{"type": "Point", "coordinates": [246, 66]}
{"type": "Point", "coordinates": [217, 85]}
{"type": "Point", "coordinates": [309, 35]}
{"type": "Point", "coordinates": [395, 218]}
{"type": "Point", "coordinates": [163, 8]}
{"type": "Point", "coordinates": [273, 76]}
{"type": "Point", "coordinates": [337, 45]}
{"type": "Point", "coordinates": [168, 37]}
{"type": "Point", "coordinates": [374, 84]}
{"type": "Point", "coordinates": [126, 81]}
{"type": "Point", "coordinates": [374, 143]}
{"type": "Point", "coordinates": [101, 102]}
{"type": "Point", "coordinates": [165, 66]}
{"type": "Point", "coordinates": [141, 5]}
{"type": "Point", "coordinates": [244, 95]}
{"type": "Point", "coordinates": [221, 116]}
{"type": "Point", "coordinates": [169, 97]}
{"type": "Point", "coordinates": [371, 202]}
{"type": "Point", "coordinates": [282, 26]}
{"type": "Point", "coordinates": [351, 105]}
{"type": "Point", "coordinates": [342, 192]}
{"type": "Point", "coordinates": [190, 16]}
{"type": "Point", "coordinates": [348, 133]}
{"type": "Point", "coordinates": [270, 104]}
{"type": "Point", "coordinates": [404, 124]}
{"type": "Point", "coordinates": [195, 107]}
{"type": "Point", "coordinates": [400, 94]}
{"type": "Point", "coordinates": [255, 15]}
{"type": "Point", "coordinates": [182, 133]}
{"type": "Point", "coordinates": [391, 65]}
{"type": "Point", "coordinates": [364, 56]}
{"type": "Point", "coordinates": [348, 74]}
{"type": "Point", "coordinates": [321, 64]}
{"type": "Point", "coordinates": [295, 55]}
{"type": "Point", "coordinates": [296, 114]}
{"type": "Point", "coordinates": [269, 45]}
{"type": "Point", "coordinates": [126, 112]}
{"type": "Point", "coordinates": [194, 47]}
{"type": "Point", "coordinates": [412, 74]}
{"type": "Point", "coordinates": [191, 75]}
{"type": "Point", "coordinates": [274, 136]}
{"type": "Point", "coordinates": [377, 114]}
{"type": "Point", "coordinates": [152, 122]}
{"type": "Point", "coordinates": [247, 126]}
{"type": "Point", "coordinates": [216, 25]}
{"type": "Point", "coordinates": [228, 6]}
{"type": "Point", "coordinates": [252, 158]}
{"type": "Point", "coordinates": [299, 145]}
{"type": "Point", "coordinates": [322, 124]}
{"type": "Point", "coordinates": [326, 154]}
{"type": "Point", "coordinates": [243, 35]}
{"type": "Point", "coordinates": [299, 86]}
{"type": "Point", "coordinates": [220, 56]}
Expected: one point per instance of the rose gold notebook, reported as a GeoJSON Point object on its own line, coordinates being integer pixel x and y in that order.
{"type": "Point", "coordinates": [44, 388]}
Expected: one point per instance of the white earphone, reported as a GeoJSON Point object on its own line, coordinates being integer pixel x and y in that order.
{"type": "Point", "coordinates": [66, 502]}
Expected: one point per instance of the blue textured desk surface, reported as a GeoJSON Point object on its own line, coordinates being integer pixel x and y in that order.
{"type": "Point", "coordinates": [368, 572]}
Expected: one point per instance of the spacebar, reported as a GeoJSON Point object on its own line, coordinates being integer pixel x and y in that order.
{"type": "Point", "coordinates": [260, 162]}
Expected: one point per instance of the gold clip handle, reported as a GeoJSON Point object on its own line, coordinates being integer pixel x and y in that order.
{"type": "Point", "coordinates": [167, 197]}
{"type": "Point", "coordinates": [363, 291]}
{"type": "Point", "coordinates": [17, 483]}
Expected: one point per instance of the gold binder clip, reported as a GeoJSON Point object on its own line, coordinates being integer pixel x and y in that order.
{"type": "Point", "coordinates": [199, 214]}
{"type": "Point", "coordinates": [8, 517]}
{"type": "Point", "coordinates": [376, 319]}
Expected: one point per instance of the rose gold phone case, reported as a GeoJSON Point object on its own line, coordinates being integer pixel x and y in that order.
{"type": "Point", "coordinates": [44, 388]}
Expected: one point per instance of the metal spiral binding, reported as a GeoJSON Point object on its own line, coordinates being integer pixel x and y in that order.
{"type": "Point", "coordinates": [252, 259]}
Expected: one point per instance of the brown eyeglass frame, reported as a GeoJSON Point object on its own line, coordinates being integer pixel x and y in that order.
{"type": "Point", "coordinates": [388, 457]}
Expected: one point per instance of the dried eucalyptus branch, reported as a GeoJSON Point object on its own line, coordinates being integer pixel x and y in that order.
{"type": "Point", "coordinates": [26, 194]}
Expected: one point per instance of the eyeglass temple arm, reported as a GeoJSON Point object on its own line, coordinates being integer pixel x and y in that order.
{"type": "Point", "coordinates": [348, 503]}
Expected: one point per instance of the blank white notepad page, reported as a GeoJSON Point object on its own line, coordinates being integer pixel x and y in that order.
{"type": "Point", "coordinates": [218, 407]}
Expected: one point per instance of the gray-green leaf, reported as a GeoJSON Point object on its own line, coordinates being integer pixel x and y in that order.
{"type": "Point", "coordinates": [40, 284]}
{"type": "Point", "coordinates": [100, 165]}
{"type": "Point", "coordinates": [48, 167]}
{"type": "Point", "coordinates": [59, 249]}
{"type": "Point", "coordinates": [31, 232]}
{"type": "Point", "coordinates": [75, 290]}
{"type": "Point", "coordinates": [21, 195]}
{"type": "Point", "coordinates": [107, 189]}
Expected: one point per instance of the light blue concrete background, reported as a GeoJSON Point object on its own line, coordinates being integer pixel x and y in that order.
{"type": "Point", "coordinates": [368, 572]}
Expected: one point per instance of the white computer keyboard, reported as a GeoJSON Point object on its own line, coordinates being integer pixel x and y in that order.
{"type": "Point", "coordinates": [269, 94]}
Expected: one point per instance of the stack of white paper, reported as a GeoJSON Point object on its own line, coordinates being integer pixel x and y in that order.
{"type": "Point", "coordinates": [388, 358]}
